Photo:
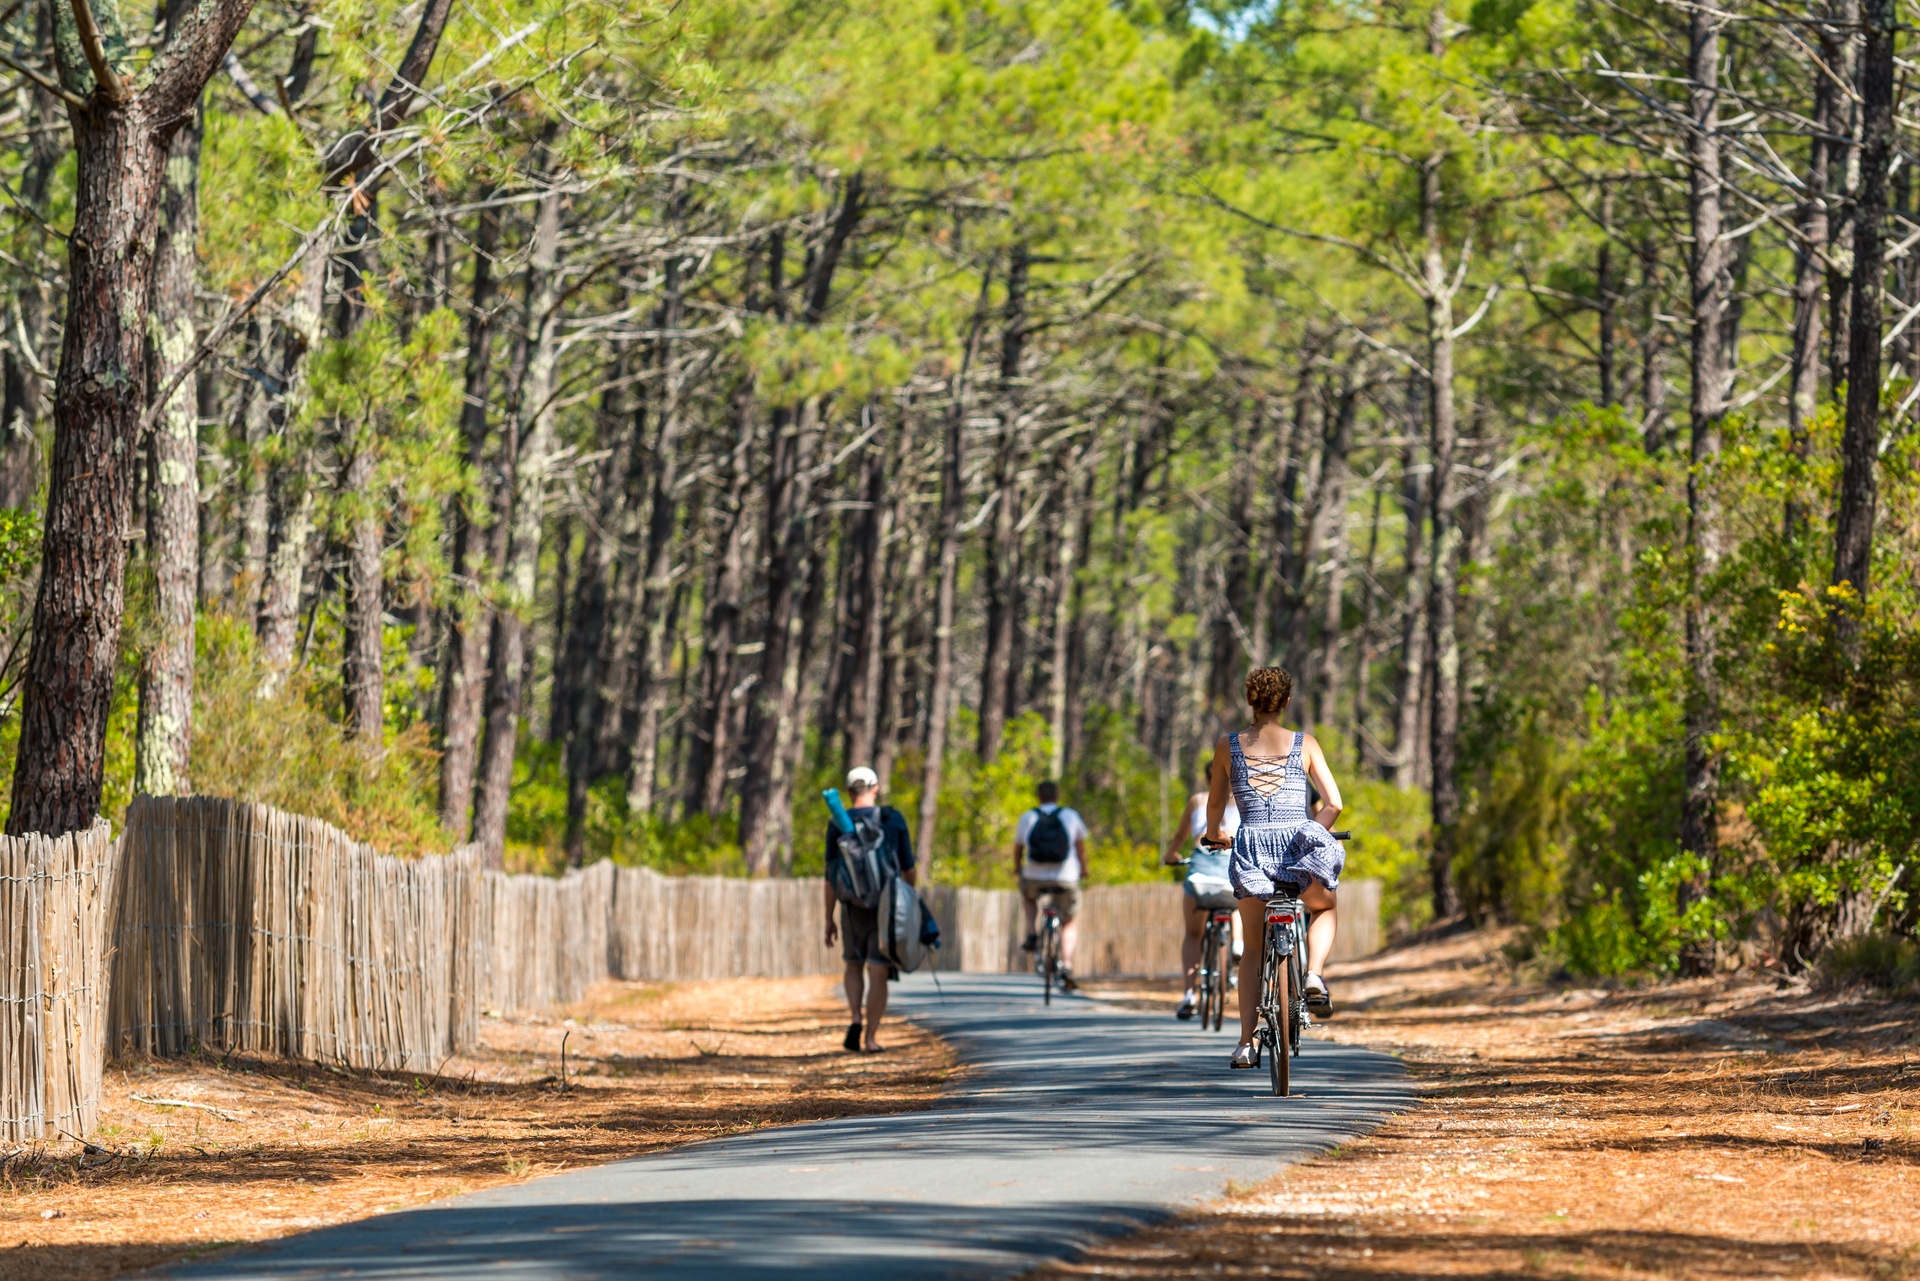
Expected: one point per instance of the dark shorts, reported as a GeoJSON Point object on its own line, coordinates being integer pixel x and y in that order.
{"type": "Point", "coordinates": [860, 935]}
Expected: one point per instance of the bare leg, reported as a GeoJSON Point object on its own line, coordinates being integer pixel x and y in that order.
{"type": "Point", "coordinates": [1069, 931]}
{"type": "Point", "coordinates": [1195, 920]}
{"type": "Point", "coordinates": [1253, 924]}
{"type": "Point", "coordinates": [1029, 908]}
{"type": "Point", "coordinates": [856, 981]}
{"type": "Point", "coordinates": [876, 1004]}
{"type": "Point", "coordinates": [1321, 901]}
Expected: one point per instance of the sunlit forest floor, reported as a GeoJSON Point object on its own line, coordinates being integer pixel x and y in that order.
{"type": "Point", "coordinates": [1737, 1127]}
{"type": "Point", "coordinates": [271, 1148]}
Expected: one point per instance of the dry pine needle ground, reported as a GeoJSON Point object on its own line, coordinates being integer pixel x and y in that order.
{"type": "Point", "coordinates": [1719, 1129]}
{"type": "Point", "coordinates": [276, 1148]}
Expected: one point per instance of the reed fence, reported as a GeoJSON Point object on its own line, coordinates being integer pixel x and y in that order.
{"type": "Point", "coordinates": [56, 903]}
{"type": "Point", "coordinates": [232, 926]}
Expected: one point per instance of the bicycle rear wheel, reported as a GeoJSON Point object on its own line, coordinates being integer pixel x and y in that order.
{"type": "Point", "coordinates": [1280, 1017]}
{"type": "Point", "coordinates": [1048, 963]}
{"type": "Point", "coordinates": [1208, 978]}
{"type": "Point", "coordinates": [1297, 1011]}
{"type": "Point", "coordinates": [1218, 1002]}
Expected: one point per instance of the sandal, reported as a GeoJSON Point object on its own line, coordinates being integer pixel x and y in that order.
{"type": "Point", "coordinates": [1319, 999]}
{"type": "Point", "coordinates": [1247, 1056]}
{"type": "Point", "coordinates": [1185, 1012]}
{"type": "Point", "coordinates": [852, 1042]}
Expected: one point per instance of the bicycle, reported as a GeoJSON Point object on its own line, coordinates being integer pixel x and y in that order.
{"type": "Point", "coordinates": [1047, 957]}
{"type": "Point", "coordinates": [1216, 942]}
{"type": "Point", "coordinates": [1282, 1011]}
{"type": "Point", "coordinates": [1213, 977]}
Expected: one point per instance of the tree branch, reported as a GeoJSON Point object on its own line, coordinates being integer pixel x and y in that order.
{"type": "Point", "coordinates": [249, 90]}
{"type": "Point", "coordinates": [104, 75]}
{"type": "Point", "coordinates": [354, 151]}
{"type": "Point", "coordinates": [184, 64]}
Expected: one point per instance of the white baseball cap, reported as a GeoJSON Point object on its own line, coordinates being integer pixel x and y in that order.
{"type": "Point", "coordinates": [860, 777]}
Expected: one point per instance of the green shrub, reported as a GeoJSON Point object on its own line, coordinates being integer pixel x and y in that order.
{"type": "Point", "coordinates": [1880, 960]}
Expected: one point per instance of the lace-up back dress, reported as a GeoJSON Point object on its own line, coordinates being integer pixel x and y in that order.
{"type": "Point", "coordinates": [1278, 843]}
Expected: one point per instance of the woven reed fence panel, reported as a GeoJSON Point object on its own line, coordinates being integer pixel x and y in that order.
{"type": "Point", "coordinates": [1360, 933]}
{"type": "Point", "coordinates": [56, 909]}
{"type": "Point", "coordinates": [708, 927]}
{"type": "Point", "coordinates": [537, 941]}
{"type": "Point", "coordinates": [245, 928]}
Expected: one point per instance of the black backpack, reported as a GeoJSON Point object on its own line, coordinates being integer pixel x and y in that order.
{"type": "Point", "coordinates": [1048, 842]}
{"type": "Point", "coordinates": [866, 864]}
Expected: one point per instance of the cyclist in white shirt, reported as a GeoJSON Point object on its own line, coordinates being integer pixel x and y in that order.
{"type": "Point", "coordinates": [1050, 854]}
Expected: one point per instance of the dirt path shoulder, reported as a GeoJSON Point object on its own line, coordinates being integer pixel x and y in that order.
{"type": "Point", "coordinates": [1731, 1128]}
{"type": "Point", "coordinates": [194, 1154]}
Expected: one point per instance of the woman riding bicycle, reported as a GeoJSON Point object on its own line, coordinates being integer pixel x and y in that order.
{"type": "Point", "coordinates": [1279, 847]}
{"type": "Point", "coordinates": [1206, 883]}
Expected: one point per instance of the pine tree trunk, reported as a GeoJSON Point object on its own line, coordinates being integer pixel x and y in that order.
{"type": "Point", "coordinates": [1065, 548]}
{"type": "Point", "coordinates": [657, 588]}
{"type": "Point", "coordinates": [1407, 740]}
{"type": "Point", "coordinates": [906, 602]}
{"type": "Point", "coordinates": [868, 618]}
{"type": "Point", "coordinates": [712, 741]}
{"type": "Point", "coordinates": [164, 735]}
{"type": "Point", "coordinates": [1708, 276]}
{"type": "Point", "coordinates": [1236, 598]}
{"type": "Point", "coordinates": [586, 639]}
{"type": "Point", "coordinates": [290, 476]}
{"type": "Point", "coordinates": [1803, 394]}
{"type": "Point", "coordinates": [999, 669]}
{"type": "Point", "coordinates": [121, 139]}
{"type": "Point", "coordinates": [469, 623]}
{"type": "Point", "coordinates": [1860, 441]}
{"type": "Point", "coordinates": [940, 688]}
{"type": "Point", "coordinates": [1654, 428]}
{"type": "Point", "coordinates": [1331, 512]}
{"type": "Point", "coordinates": [1443, 726]}
{"type": "Point", "coordinates": [766, 799]}
{"type": "Point", "coordinates": [1843, 181]}
{"type": "Point", "coordinates": [527, 474]}
{"type": "Point", "coordinates": [1366, 755]}
{"type": "Point", "coordinates": [362, 679]}
{"type": "Point", "coordinates": [1289, 563]}
{"type": "Point", "coordinates": [363, 616]}
{"type": "Point", "coordinates": [772, 705]}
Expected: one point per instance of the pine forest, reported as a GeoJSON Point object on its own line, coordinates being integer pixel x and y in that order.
{"type": "Point", "coordinates": [589, 429]}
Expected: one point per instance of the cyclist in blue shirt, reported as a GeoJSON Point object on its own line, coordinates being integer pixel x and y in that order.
{"type": "Point", "coordinates": [1206, 884]}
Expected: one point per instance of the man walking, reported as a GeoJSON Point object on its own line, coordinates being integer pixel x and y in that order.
{"type": "Point", "coordinates": [1050, 855]}
{"type": "Point", "coordinates": [858, 928]}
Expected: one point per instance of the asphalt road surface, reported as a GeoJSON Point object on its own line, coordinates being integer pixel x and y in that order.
{"type": "Point", "coordinates": [1076, 1122]}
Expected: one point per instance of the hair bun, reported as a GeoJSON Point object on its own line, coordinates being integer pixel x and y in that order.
{"type": "Point", "coordinates": [1269, 689]}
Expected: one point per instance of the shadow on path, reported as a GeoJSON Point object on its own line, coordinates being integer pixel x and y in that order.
{"type": "Point", "coordinates": [1075, 1123]}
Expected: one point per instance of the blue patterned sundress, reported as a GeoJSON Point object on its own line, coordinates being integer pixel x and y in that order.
{"type": "Point", "coordinates": [1278, 842]}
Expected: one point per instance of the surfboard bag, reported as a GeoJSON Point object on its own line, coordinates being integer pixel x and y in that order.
{"type": "Point", "coordinates": [908, 932]}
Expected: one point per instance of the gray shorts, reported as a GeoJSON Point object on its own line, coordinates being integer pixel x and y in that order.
{"type": "Point", "coordinates": [860, 935]}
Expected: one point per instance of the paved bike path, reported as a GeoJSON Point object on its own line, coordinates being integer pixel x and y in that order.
{"type": "Point", "coordinates": [1074, 1122]}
